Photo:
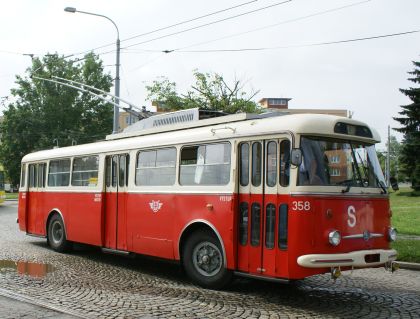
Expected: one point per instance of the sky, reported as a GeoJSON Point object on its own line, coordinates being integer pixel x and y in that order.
{"type": "Point", "coordinates": [361, 76]}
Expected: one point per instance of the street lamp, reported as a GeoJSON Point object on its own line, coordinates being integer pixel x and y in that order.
{"type": "Point", "coordinates": [117, 72]}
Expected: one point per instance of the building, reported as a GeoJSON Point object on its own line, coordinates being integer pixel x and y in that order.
{"type": "Point", "coordinates": [282, 105]}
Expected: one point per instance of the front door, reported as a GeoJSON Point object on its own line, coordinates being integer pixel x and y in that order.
{"type": "Point", "coordinates": [116, 181]}
{"type": "Point", "coordinates": [261, 224]}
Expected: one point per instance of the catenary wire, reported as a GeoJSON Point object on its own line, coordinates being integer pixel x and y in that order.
{"type": "Point", "coordinates": [303, 45]}
{"type": "Point", "coordinates": [169, 26]}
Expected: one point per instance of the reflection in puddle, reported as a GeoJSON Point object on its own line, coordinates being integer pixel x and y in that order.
{"type": "Point", "coordinates": [32, 269]}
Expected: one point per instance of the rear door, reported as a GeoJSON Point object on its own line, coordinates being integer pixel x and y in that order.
{"type": "Point", "coordinates": [115, 220]}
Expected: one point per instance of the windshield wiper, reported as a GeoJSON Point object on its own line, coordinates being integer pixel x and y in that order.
{"type": "Point", "coordinates": [347, 189]}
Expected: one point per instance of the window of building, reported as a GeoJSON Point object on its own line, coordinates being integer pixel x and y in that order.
{"type": "Point", "coordinates": [85, 171]}
{"type": "Point", "coordinates": [205, 164]}
{"type": "Point", "coordinates": [59, 173]}
{"type": "Point", "coordinates": [335, 159]}
{"type": "Point", "coordinates": [334, 171]}
{"type": "Point", "coordinates": [156, 167]}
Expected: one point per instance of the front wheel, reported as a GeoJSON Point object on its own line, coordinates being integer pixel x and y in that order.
{"type": "Point", "coordinates": [204, 262]}
{"type": "Point", "coordinates": [57, 238]}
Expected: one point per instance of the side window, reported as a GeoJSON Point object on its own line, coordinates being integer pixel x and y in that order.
{"type": "Point", "coordinates": [108, 171]}
{"type": "Point", "coordinates": [23, 175]}
{"type": "Point", "coordinates": [205, 164]}
{"type": "Point", "coordinates": [244, 164]}
{"type": "Point", "coordinates": [59, 173]}
{"type": "Point", "coordinates": [284, 163]}
{"type": "Point", "coordinates": [85, 171]}
{"type": "Point", "coordinates": [33, 175]}
{"type": "Point", "coordinates": [156, 167]}
{"type": "Point", "coordinates": [271, 165]}
{"type": "Point", "coordinates": [256, 163]}
{"type": "Point", "coordinates": [41, 174]}
{"type": "Point", "coordinates": [123, 169]}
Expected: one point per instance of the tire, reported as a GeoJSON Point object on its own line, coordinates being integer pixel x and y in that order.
{"type": "Point", "coordinates": [57, 238]}
{"type": "Point", "coordinates": [203, 260]}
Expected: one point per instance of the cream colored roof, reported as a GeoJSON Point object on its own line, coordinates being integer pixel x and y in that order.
{"type": "Point", "coordinates": [212, 130]}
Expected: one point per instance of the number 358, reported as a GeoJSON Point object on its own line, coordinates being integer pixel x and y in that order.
{"type": "Point", "coordinates": [301, 205]}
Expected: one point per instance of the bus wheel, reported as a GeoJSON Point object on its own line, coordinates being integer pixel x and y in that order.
{"type": "Point", "coordinates": [57, 235]}
{"type": "Point", "coordinates": [204, 262]}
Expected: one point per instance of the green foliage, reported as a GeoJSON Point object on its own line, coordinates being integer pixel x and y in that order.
{"type": "Point", "coordinates": [405, 205]}
{"type": "Point", "coordinates": [210, 92]}
{"type": "Point", "coordinates": [410, 120]}
{"type": "Point", "coordinates": [43, 112]}
{"type": "Point", "coordinates": [395, 159]}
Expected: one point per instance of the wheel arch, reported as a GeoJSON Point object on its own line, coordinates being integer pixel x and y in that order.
{"type": "Point", "coordinates": [195, 225]}
{"type": "Point", "coordinates": [53, 212]}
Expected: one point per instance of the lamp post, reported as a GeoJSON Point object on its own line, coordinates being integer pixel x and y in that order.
{"type": "Point", "coordinates": [117, 71]}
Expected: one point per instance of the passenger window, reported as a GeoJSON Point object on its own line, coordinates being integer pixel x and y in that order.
{"type": "Point", "coordinates": [255, 224]}
{"type": "Point", "coordinates": [59, 173]}
{"type": "Point", "coordinates": [244, 164]}
{"type": "Point", "coordinates": [243, 223]}
{"type": "Point", "coordinates": [270, 224]}
{"type": "Point", "coordinates": [124, 163]}
{"type": "Point", "coordinates": [205, 165]}
{"type": "Point", "coordinates": [284, 163]}
{"type": "Point", "coordinates": [41, 174]}
{"type": "Point", "coordinates": [108, 171]}
{"type": "Point", "coordinates": [271, 165]}
{"type": "Point", "coordinates": [256, 163]}
{"type": "Point", "coordinates": [33, 175]}
{"type": "Point", "coordinates": [156, 167]}
{"type": "Point", "coordinates": [23, 176]}
{"type": "Point", "coordinates": [85, 171]}
{"type": "Point", "coordinates": [114, 170]}
{"type": "Point", "coordinates": [283, 220]}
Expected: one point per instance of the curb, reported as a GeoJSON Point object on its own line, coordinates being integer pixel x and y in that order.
{"type": "Point", "coordinates": [407, 265]}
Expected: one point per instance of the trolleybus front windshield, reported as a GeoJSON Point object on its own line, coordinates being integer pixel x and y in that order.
{"type": "Point", "coordinates": [334, 162]}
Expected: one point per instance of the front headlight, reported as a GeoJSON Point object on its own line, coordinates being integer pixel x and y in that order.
{"type": "Point", "coordinates": [334, 237]}
{"type": "Point", "coordinates": [392, 234]}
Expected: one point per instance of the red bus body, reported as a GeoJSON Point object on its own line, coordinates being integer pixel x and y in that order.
{"type": "Point", "coordinates": [156, 221]}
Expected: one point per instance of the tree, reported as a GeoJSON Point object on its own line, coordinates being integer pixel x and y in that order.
{"type": "Point", "coordinates": [44, 113]}
{"type": "Point", "coordinates": [395, 159]}
{"type": "Point", "coordinates": [210, 92]}
{"type": "Point", "coordinates": [410, 120]}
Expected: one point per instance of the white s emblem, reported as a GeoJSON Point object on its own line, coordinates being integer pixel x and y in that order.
{"type": "Point", "coordinates": [351, 212]}
{"type": "Point", "coordinates": [155, 205]}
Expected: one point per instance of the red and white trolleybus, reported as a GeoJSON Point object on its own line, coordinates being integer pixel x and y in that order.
{"type": "Point", "coordinates": [279, 197]}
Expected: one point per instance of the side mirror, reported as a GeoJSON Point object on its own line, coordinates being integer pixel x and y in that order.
{"type": "Point", "coordinates": [296, 156]}
{"type": "Point", "coordinates": [394, 183]}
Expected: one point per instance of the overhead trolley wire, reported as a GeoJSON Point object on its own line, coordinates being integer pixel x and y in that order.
{"type": "Point", "coordinates": [303, 45]}
{"type": "Point", "coordinates": [276, 24]}
{"type": "Point", "coordinates": [209, 23]}
{"type": "Point", "coordinates": [169, 26]}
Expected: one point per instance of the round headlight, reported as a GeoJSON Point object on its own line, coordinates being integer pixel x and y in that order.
{"type": "Point", "coordinates": [392, 234]}
{"type": "Point", "coordinates": [334, 237]}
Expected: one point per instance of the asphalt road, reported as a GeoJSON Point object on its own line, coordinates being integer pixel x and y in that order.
{"type": "Point", "coordinates": [91, 284]}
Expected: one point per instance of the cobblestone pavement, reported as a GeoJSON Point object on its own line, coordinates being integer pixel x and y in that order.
{"type": "Point", "coordinates": [12, 309]}
{"type": "Point", "coordinates": [97, 285]}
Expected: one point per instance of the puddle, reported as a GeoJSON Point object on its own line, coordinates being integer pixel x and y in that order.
{"type": "Point", "coordinates": [35, 270]}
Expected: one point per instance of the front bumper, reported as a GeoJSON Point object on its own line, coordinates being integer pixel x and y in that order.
{"type": "Point", "coordinates": [360, 258]}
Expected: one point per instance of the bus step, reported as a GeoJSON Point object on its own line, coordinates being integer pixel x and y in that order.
{"type": "Point", "coordinates": [115, 252]}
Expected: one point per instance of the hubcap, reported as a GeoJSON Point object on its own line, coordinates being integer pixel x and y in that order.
{"type": "Point", "coordinates": [56, 232]}
{"type": "Point", "coordinates": [207, 259]}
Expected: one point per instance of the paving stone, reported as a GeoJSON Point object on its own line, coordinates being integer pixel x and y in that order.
{"type": "Point", "coordinates": [97, 285]}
